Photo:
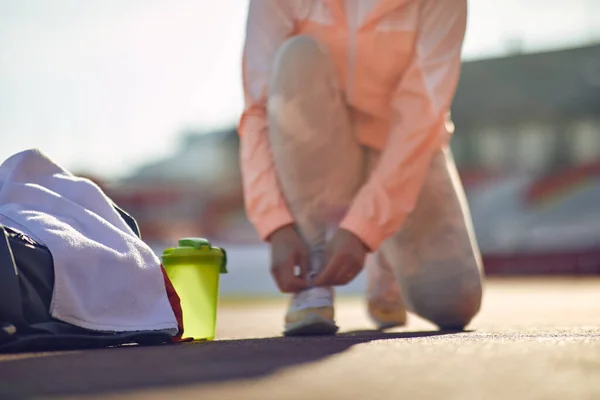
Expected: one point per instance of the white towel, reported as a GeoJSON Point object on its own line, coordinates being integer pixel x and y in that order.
{"type": "Point", "coordinates": [106, 278]}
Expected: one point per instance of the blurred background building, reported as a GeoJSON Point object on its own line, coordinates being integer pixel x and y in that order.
{"type": "Point", "coordinates": [529, 112]}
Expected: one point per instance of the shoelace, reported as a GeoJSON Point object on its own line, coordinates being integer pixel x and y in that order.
{"type": "Point", "coordinates": [314, 295]}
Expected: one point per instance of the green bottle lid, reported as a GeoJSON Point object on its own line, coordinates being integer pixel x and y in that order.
{"type": "Point", "coordinates": [195, 250]}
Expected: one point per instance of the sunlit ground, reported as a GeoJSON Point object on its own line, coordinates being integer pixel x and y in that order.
{"type": "Point", "coordinates": [534, 339]}
{"type": "Point", "coordinates": [509, 303]}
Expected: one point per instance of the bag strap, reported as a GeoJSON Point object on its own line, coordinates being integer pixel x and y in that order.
{"type": "Point", "coordinates": [129, 220]}
{"type": "Point", "coordinates": [10, 292]}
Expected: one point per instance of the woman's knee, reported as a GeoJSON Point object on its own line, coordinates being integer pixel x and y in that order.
{"type": "Point", "coordinates": [300, 49]}
{"type": "Point", "coordinates": [301, 62]}
{"type": "Point", "coordinates": [304, 96]}
{"type": "Point", "coordinates": [450, 302]}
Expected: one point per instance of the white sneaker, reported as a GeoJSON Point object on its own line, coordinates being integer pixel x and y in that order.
{"type": "Point", "coordinates": [311, 313]}
{"type": "Point", "coordinates": [384, 302]}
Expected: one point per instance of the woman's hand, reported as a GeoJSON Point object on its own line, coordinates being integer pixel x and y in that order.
{"type": "Point", "coordinates": [345, 257]}
{"type": "Point", "coordinates": [288, 251]}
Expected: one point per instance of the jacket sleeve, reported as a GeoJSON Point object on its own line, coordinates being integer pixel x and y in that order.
{"type": "Point", "coordinates": [269, 24]}
{"type": "Point", "coordinates": [420, 105]}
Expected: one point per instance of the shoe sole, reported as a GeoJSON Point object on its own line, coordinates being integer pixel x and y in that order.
{"type": "Point", "coordinates": [385, 323]}
{"type": "Point", "coordinates": [312, 325]}
{"type": "Point", "coordinates": [383, 326]}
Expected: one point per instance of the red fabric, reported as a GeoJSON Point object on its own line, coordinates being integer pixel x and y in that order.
{"type": "Point", "coordinates": [175, 304]}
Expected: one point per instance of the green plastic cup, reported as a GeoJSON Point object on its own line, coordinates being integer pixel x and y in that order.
{"type": "Point", "coordinates": [194, 269]}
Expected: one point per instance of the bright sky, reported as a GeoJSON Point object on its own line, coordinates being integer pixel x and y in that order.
{"type": "Point", "coordinates": [105, 85]}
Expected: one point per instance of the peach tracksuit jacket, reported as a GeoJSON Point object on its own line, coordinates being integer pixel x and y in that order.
{"type": "Point", "coordinates": [397, 62]}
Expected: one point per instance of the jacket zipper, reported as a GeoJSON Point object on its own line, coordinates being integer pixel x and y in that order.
{"type": "Point", "coordinates": [353, 26]}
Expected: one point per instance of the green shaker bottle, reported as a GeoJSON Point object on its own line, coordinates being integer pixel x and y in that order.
{"type": "Point", "coordinates": [194, 269]}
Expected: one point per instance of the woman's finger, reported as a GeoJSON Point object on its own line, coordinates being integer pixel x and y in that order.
{"type": "Point", "coordinates": [347, 273]}
{"type": "Point", "coordinates": [302, 263]}
{"type": "Point", "coordinates": [294, 285]}
{"type": "Point", "coordinates": [327, 276]}
{"type": "Point", "coordinates": [287, 282]}
{"type": "Point", "coordinates": [285, 278]}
